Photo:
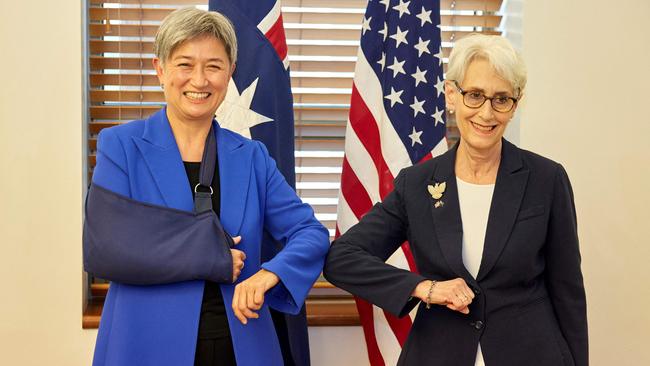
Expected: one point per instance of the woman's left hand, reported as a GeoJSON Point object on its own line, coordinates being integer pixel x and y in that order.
{"type": "Point", "coordinates": [249, 294]}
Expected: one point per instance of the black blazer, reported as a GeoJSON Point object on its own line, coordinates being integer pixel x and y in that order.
{"type": "Point", "coordinates": [530, 304]}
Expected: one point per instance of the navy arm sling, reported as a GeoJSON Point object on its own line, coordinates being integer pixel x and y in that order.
{"type": "Point", "coordinates": [138, 243]}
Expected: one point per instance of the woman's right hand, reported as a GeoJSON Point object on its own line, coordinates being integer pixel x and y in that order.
{"type": "Point", "coordinates": [454, 294]}
{"type": "Point", "coordinates": [238, 258]}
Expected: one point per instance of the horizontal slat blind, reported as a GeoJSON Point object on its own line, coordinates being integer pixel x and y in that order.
{"type": "Point", "coordinates": [323, 38]}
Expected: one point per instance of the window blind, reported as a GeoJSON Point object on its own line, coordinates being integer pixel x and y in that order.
{"type": "Point", "coordinates": [322, 37]}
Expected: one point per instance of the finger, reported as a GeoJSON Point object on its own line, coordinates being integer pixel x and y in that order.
{"type": "Point", "coordinates": [259, 298]}
{"type": "Point", "coordinates": [238, 257]}
{"type": "Point", "coordinates": [460, 309]}
{"type": "Point", "coordinates": [250, 299]}
{"type": "Point", "coordinates": [240, 254]}
{"type": "Point", "coordinates": [248, 313]}
{"type": "Point", "coordinates": [245, 294]}
{"type": "Point", "coordinates": [236, 239]}
{"type": "Point", "coordinates": [235, 306]}
{"type": "Point", "coordinates": [458, 301]}
{"type": "Point", "coordinates": [465, 290]}
{"type": "Point", "coordinates": [235, 275]}
{"type": "Point", "coordinates": [251, 314]}
{"type": "Point", "coordinates": [468, 292]}
{"type": "Point", "coordinates": [241, 305]}
{"type": "Point", "coordinates": [470, 295]}
{"type": "Point", "coordinates": [239, 264]}
{"type": "Point", "coordinates": [463, 298]}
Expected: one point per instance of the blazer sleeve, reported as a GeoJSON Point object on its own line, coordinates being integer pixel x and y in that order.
{"type": "Point", "coordinates": [356, 261]}
{"type": "Point", "coordinates": [563, 275]}
{"type": "Point", "coordinates": [289, 220]}
{"type": "Point", "coordinates": [111, 171]}
{"type": "Point", "coordinates": [138, 243]}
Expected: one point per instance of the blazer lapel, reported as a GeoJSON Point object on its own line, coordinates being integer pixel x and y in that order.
{"type": "Point", "coordinates": [508, 192]}
{"type": "Point", "coordinates": [446, 214]}
{"type": "Point", "coordinates": [235, 164]}
{"type": "Point", "coordinates": [160, 152]}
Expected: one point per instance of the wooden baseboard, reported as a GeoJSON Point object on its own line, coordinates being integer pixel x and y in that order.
{"type": "Point", "coordinates": [326, 306]}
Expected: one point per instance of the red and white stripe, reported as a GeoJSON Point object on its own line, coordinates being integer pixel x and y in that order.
{"type": "Point", "coordinates": [374, 154]}
{"type": "Point", "coordinates": [273, 28]}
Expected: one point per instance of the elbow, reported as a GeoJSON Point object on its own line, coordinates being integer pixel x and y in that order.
{"type": "Point", "coordinates": [330, 268]}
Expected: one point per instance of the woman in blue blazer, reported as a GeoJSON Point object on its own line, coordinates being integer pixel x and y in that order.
{"type": "Point", "coordinates": [183, 291]}
{"type": "Point", "coordinates": [492, 229]}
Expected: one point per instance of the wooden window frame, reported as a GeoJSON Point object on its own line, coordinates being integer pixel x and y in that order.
{"type": "Point", "coordinates": [321, 103]}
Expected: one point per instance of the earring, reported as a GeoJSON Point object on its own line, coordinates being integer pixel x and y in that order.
{"type": "Point", "coordinates": [162, 86]}
{"type": "Point", "coordinates": [451, 111]}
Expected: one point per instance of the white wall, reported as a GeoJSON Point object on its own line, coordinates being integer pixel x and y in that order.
{"type": "Point", "coordinates": [41, 185]}
{"type": "Point", "coordinates": [585, 108]}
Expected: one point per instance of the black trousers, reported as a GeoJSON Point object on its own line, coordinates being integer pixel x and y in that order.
{"type": "Point", "coordinates": [214, 352]}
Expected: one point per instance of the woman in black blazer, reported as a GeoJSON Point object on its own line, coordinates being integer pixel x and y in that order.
{"type": "Point", "coordinates": [492, 229]}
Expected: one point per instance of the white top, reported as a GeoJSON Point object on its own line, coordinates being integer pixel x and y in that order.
{"type": "Point", "coordinates": [475, 201]}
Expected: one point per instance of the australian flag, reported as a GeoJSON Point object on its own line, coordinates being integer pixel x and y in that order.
{"type": "Point", "coordinates": [259, 105]}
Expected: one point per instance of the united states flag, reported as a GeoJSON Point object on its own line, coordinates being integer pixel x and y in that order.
{"type": "Point", "coordinates": [396, 120]}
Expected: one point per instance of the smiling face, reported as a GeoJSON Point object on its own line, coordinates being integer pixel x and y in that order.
{"type": "Point", "coordinates": [195, 79]}
{"type": "Point", "coordinates": [480, 129]}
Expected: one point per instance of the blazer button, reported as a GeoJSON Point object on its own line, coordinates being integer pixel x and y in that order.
{"type": "Point", "coordinates": [478, 325]}
{"type": "Point", "coordinates": [477, 291]}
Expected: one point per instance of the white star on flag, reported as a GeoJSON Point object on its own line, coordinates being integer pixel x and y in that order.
{"type": "Point", "coordinates": [385, 3]}
{"type": "Point", "coordinates": [394, 96]}
{"type": "Point", "coordinates": [382, 61]}
{"type": "Point", "coordinates": [417, 106]}
{"type": "Point", "coordinates": [400, 37]}
{"type": "Point", "coordinates": [422, 47]}
{"type": "Point", "coordinates": [424, 16]}
{"type": "Point", "coordinates": [397, 67]}
{"type": "Point", "coordinates": [419, 76]}
{"type": "Point", "coordinates": [439, 56]}
{"type": "Point", "coordinates": [438, 116]}
{"type": "Point", "coordinates": [365, 26]}
{"type": "Point", "coordinates": [415, 137]}
{"type": "Point", "coordinates": [403, 7]}
{"type": "Point", "coordinates": [235, 113]}
{"type": "Point", "coordinates": [440, 86]}
{"type": "Point", "coordinates": [384, 31]}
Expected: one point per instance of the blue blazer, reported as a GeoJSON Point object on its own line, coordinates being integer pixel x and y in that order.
{"type": "Point", "coordinates": [530, 304]}
{"type": "Point", "coordinates": [158, 324]}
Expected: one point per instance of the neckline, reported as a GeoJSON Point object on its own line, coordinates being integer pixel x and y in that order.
{"type": "Point", "coordinates": [460, 181]}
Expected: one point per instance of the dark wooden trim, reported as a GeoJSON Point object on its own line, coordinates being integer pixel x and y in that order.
{"type": "Point", "coordinates": [327, 306]}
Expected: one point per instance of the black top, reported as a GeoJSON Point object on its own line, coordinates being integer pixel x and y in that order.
{"type": "Point", "coordinates": [213, 322]}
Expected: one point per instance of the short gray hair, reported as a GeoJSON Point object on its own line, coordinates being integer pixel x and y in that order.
{"type": "Point", "coordinates": [496, 50]}
{"type": "Point", "coordinates": [189, 23]}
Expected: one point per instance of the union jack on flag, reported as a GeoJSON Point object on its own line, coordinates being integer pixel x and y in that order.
{"type": "Point", "coordinates": [396, 120]}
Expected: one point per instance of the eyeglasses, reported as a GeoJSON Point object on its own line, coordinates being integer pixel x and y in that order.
{"type": "Point", "coordinates": [475, 99]}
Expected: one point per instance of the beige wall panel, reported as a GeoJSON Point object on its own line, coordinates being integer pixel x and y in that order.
{"type": "Point", "coordinates": [587, 108]}
{"type": "Point", "coordinates": [41, 187]}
